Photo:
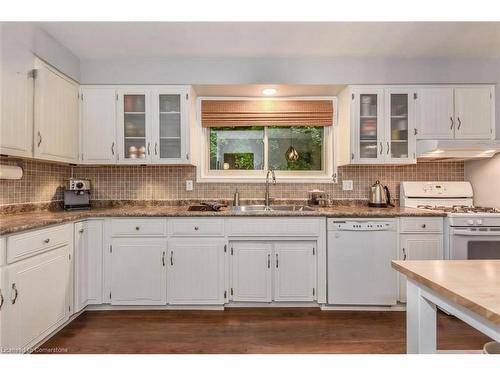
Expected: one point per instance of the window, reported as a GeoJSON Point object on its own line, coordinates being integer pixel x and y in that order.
{"type": "Point", "coordinates": [242, 152]}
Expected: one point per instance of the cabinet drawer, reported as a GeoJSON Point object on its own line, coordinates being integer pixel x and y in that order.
{"type": "Point", "coordinates": [274, 227]}
{"type": "Point", "coordinates": [421, 225]}
{"type": "Point", "coordinates": [24, 245]}
{"type": "Point", "coordinates": [196, 227]}
{"type": "Point", "coordinates": [138, 227]}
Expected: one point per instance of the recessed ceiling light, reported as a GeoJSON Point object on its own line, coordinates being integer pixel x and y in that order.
{"type": "Point", "coordinates": [269, 91]}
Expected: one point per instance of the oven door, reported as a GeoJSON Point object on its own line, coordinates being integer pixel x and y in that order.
{"type": "Point", "coordinates": [475, 243]}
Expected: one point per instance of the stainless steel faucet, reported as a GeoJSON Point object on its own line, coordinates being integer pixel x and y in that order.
{"type": "Point", "coordinates": [267, 199]}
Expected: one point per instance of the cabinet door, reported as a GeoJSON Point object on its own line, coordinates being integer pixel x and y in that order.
{"type": "Point", "coordinates": [369, 126]}
{"type": "Point", "coordinates": [134, 126]}
{"type": "Point", "coordinates": [16, 103]}
{"type": "Point", "coordinates": [434, 113]}
{"type": "Point", "coordinates": [98, 128]}
{"type": "Point", "coordinates": [400, 128]}
{"type": "Point", "coordinates": [418, 247]}
{"type": "Point", "coordinates": [170, 127]}
{"type": "Point", "coordinates": [56, 115]}
{"type": "Point", "coordinates": [294, 271]}
{"type": "Point", "coordinates": [195, 272]}
{"type": "Point", "coordinates": [473, 113]}
{"type": "Point", "coordinates": [251, 271]}
{"type": "Point", "coordinates": [88, 263]}
{"type": "Point", "coordinates": [39, 295]}
{"type": "Point", "coordinates": [138, 271]}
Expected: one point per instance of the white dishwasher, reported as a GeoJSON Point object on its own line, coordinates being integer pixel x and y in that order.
{"type": "Point", "coordinates": [360, 252]}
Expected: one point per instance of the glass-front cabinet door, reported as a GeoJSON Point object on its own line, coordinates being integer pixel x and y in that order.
{"type": "Point", "coordinates": [400, 131]}
{"type": "Point", "coordinates": [134, 126]}
{"type": "Point", "coordinates": [369, 134]}
{"type": "Point", "coordinates": [170, 113]}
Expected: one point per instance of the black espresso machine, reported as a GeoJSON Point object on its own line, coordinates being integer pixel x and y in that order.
{"type": "Point", "coordinates": [77, 194]}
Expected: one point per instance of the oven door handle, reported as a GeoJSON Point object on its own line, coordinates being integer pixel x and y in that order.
{"type": "Point", "coordinates": [465, 232]}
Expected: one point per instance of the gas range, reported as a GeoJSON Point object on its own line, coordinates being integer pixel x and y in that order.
{"type": "Point", "coordinates": [469, 232]}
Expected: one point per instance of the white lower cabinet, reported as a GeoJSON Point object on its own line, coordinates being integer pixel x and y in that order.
{"type": "Point", "coordinates": [195, 271]}
{"type": "Point", "coordinates": [295, 271]}
{"type": "Point", "coordinates": [251, 271]}
{"type": "Point", "coordinates": [138, 271]}
{"type": "Point", "coordinates": [39, 293]}
{"type": "Point", "coordinates": [281, 271]}
{"type": "Point", "coordinates": [88, 250]}
{"type": "Point", "coordinates": [418, 247]}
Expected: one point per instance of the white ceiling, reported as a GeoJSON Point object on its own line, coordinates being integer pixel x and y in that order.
{"type": "Point", "coordinates": [108, 40]}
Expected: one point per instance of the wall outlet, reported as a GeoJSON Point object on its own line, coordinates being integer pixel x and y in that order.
{"type": "Point", "coordinates": [347, 185]}
{"type": "Point", "coordinates": [189, 185]}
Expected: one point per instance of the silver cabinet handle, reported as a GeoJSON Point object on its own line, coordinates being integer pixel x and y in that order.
{"type": "Point", "coordinates": [47, 240]}
{"type": "Point", "coordinates": [16, 293]}
{"type": "Point", "coordinates": [1, 299]}
{"type": "Point", "coordinates": [268, 260]}
{"type": "Point", "coordinates": [156, 148]}
{"type": "Point", "coordinates": [381, 148]}
{"type": "Point", "coordinates": [459, 123]}
{"type": "Point", "coordinates": [172, 258]}
{"type": "Point", "coordinates": [388, 148]}
{"type": "Point", "coordinates": [404, 254]}
{"type": "Point", "coordinates": [451, 121]}
{"type": "Point", "coordinates": [113, 148]}
{"type": "Point", "coordinates": [277, 261]}
{"type": "Point", "coordinates": [149, 146]}
{"type": "Point", "coordinates": [39, 139]}
{"type": "Point", "coordinates": [163, 259]}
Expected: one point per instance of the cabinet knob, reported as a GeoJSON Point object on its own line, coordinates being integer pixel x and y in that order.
{"type": "Point", "coordinates": [137, 228]}
{"type": "Point", "coordinates": [424, 225]}
{"type": "Point", "coordinates": [47, 240]}
{"type": "Point", "coordinates": [81, 230]}
{"type": "Point", "coordinates": [196, 228]}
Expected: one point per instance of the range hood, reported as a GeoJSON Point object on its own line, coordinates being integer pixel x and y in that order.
{"type": "Point", "coordinates": [456, 149]}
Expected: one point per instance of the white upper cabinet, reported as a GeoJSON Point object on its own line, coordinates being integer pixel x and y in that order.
{"type": "Point", "coordinates": [455, 112]}
{"type": "Point", "coordinates": [369, 125]}
{"type": "Point", "coordinates": [400, 130]}
{"type": "Point", "coordinates": [170, 125]}
{"type": "Point", "coordinates": [56, 114]}
{"type": "Point", "coordinates": [474, 113]}
{"type": "Point", "coordinates": [98, 125]}
{"type": "Point", "coordinates": [379, 124]}
{"type": "Point", "coordinates": [16, 107]}
{"type": "Point", "coordinates": [134, 126]}
{"type": "Point", "coordinates": [435, 113]}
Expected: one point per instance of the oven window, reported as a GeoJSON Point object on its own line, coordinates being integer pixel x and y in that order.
{"type": "Point", "coordinates": [483, 250]}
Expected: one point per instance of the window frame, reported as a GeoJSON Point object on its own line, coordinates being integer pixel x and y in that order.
{"type": "Point", "coordinates": [328, 174]}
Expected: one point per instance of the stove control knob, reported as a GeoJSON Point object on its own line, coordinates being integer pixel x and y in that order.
{"type": "Point", "coordinates": [479, 222]}
{"type": "Point", "coordinates": [470, 222]}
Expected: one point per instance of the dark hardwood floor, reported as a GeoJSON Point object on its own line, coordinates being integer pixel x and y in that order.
{"type": "Point", "coordinates": [270, 330]}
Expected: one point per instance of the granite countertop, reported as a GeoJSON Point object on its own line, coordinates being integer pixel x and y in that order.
{"type": "Point", "coordinates": [473, 284]}
{"type": "Point", "coordinates": [16, 222]}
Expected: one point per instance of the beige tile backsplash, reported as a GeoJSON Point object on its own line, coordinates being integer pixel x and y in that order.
{"type": "Point", "coordinates": [42, 182]}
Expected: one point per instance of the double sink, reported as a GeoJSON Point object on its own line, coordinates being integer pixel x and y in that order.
{"type": "Point", "coordinates": [278, 208]}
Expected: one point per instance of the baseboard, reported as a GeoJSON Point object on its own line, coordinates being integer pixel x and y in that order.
{"type": "Point", "coordinates": [398, 307]}
{"type": "Point", "coordinates": [107, 307]}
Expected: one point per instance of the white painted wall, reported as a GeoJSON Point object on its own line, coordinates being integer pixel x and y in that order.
{"type": "Point", "coordinates": [485, 178]}
{"type": "Point", "coordinates": [293, 71]}
{"type": "Point", "coordinates": [19, 37]}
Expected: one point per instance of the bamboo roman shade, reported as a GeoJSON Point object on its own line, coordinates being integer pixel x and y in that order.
{"type": "Point", "coordinates": [232, 113]}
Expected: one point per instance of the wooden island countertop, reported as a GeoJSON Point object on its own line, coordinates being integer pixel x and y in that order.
{"type": "Point", "coordinates": [473, 284]}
